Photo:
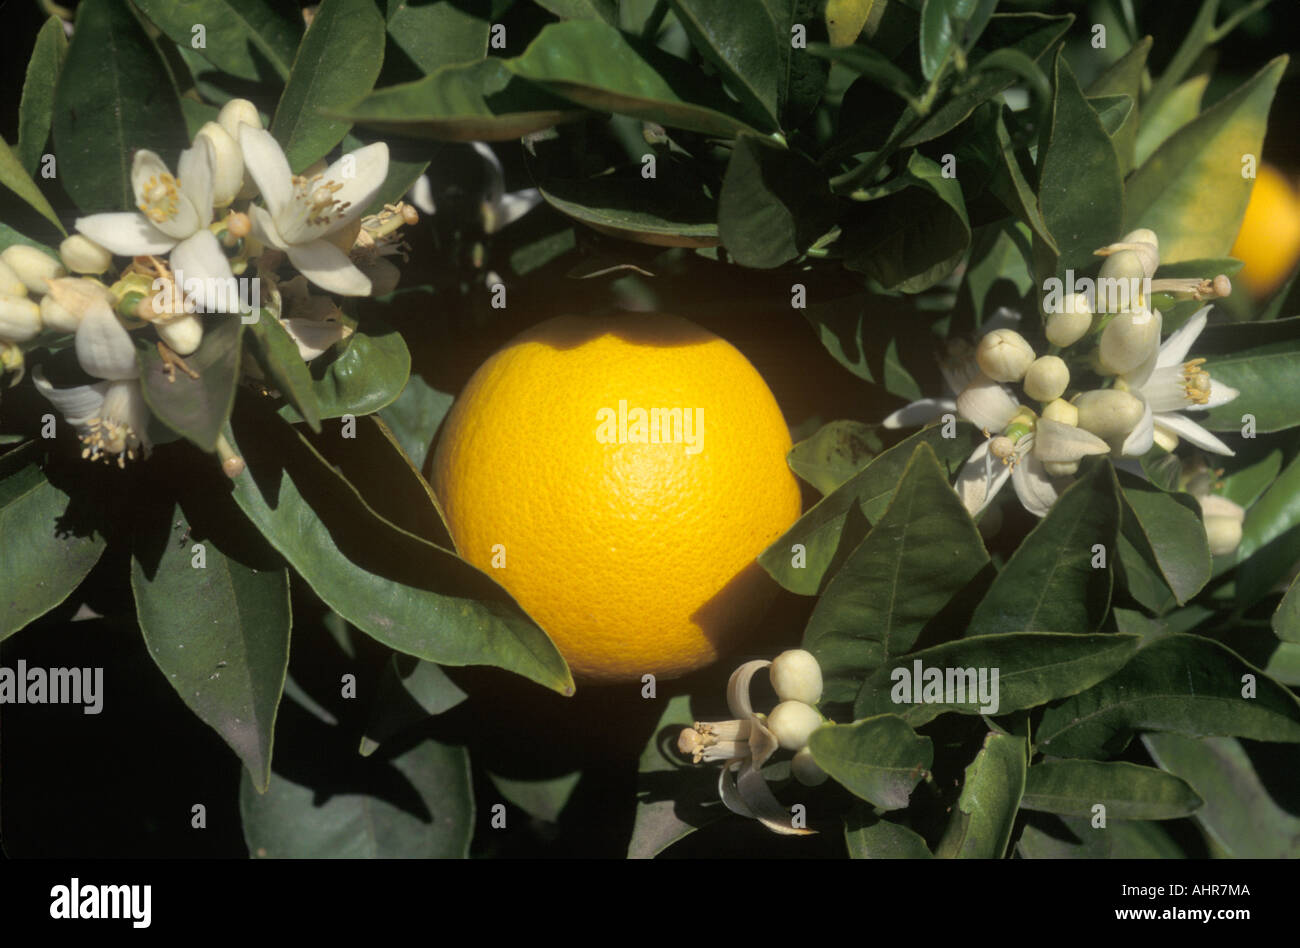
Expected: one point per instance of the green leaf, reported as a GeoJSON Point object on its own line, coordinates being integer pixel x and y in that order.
{"type": "Point", "coordinates": [1178, 682]}
{"type": "Point", "coordinates": [990, 797]}
{"type": "Point", "coordinates": [410, 692]}
{"type": "Point", "coordinates": [660, 211]}
{"type": "Point", "coordinates": [1113, 111]}
{"type": "Point", "coordinates": [868, 836]}
{"type": "Point", "coordinates": [1051, 837]}
{"type": "Point", "coordinates": [14, 177]}
{"type": "Point", "coordinates": [869, 62]}
{"type": "Point", "coordinates": [1181, 106]}
{"type": "Point", "coordinates": [1259, 360]}
{"type": "Point", "coordinates": [1124, 77]}
{"type": "Point", "coordinates": [1080, 191]}
{"type": "Point", "coordinates": [540, 799]}
{"type": "Point", "coordinates": [406, 592]}
{"type": "Point", "coordinates": [277, 355]}
{"type": "Point", "coordinates": [415, 416]}
{"type": "Point", "coordinates": [216, 621]}
{"type": "Point", "coordinates": [196, 408]}
{"type": "Point", "coordinates": [845, 19]}
{"type": "Point", "coordinates": [100, 116]}
{"type": "Point", "coordinates": [1050, 583]}
{"type": "Point", "coordinates": [606, 10]}
{"type": "Point", "coordinates": [45, 555]}
{"type": "Point", "coordinates": [1011, 187]}
{"type": "Point", "coordinates": [481, 101]}
{"type": "Point", "coordinates": [801, 80]}
{"type": "Point", "coordinates": [9, 237]}
{"type": "Point", "coordinates": [1033, 668]}
{"type": "Point", "coordinates": [440, 33]}
{"type": "Point", "coordinates": [593, 64]}
{"type": "Point", "coordinates": [1244, 817]}
{"type": "Point", "coordinates": [774, 203]}
{"type": "Point", "coordinates": [1170, 529]}
{"type": "Point", "coordinates": [834, 454]}
{"type": "Point", "coordinates": [240, 37]}
{"type": "Point", "coordinates": [36, 111]}
{"type": "Point", "coordinates": [1128, 791]}
{"type": "Point", "coordinates": [1270, 535]}
{"type": "Point", "coordinates": [821, 531]}
{"type": "Point", "coordinates": [918, 556]}
{"type": "Point", "coordinates": [1191, 189]}
{"type": "Point", "coordinates": [1247, 484]}
{"type": "Point", "coordinates": [339, 56]}
{"type": "Point", "coordinates": [879, 759]}
{"type": "Point", "coordinates": [912, 239]}
{"type": "Point", "coordinates": [740, 41]}
{"type": "Point", "coordinates": [366, 376]}
{"type": "Point", "coordinates": [854, 339]}
{"type": "Point", "coordinates": [1286, 619]}
{"type": "Point", "coordinates": [418, 805]}
{"type": "Point", "coordinates": [673, 797]}
{"type": "Point", "coordinates": [938, 34]}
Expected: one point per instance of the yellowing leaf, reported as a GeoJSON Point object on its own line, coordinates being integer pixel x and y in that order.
{"type": "Point", "coordinates": [846, 18]}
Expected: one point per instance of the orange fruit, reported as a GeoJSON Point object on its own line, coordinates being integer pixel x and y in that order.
{"type": "Point", "coordinates": [1269, 240]}
{"type": "Point", "coordinates": [619, 476]}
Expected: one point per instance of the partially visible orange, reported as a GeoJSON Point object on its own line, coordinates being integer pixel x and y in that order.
{"type": "Point", "coordinates": [1269, 240]}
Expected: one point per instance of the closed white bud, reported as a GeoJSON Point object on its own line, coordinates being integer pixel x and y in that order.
{"type": "Point", "coordinates": [1061, 468]}
{"type": "Point", "coordinates": [806, 770]}
{"type": "Point", "coordinates": [238, 112]}
{"type": "Point", "coordinates": [1108, 413]}
{"type": "Point", "coordinates": [82, 255]}
{"type": "Point", "coordinates": [20, 318]}
{"type": "Point", "coordinates": [34, 267]}
{"type": "Point", "coordinates": [792, 722]}
{"type": "Point", "coordinates": [1223, 519]}
{"type": "Point", "coordinates": [1068, 327]}
{"type": "Point", "coordinates": [1047, 378]}
{"type": "Point", "coordinates": [64, 306]}
{"type": "Point", "coordinates": [1004, 355]}
{"type": "Point", "coordinates": [1128, 340]}
{"type": "Point", "coordinates": [1061, 411]}
{"type": "Point", "coordinates": [183, 335]}
{"type": "Point", "coordinates": [1120, 282]}
{"type": "Point", "coordinates": [796, 676]}
{"type": "Point", "coordinates": [10, 285]}
{"type": "Point", "coordinates": [227, 163]}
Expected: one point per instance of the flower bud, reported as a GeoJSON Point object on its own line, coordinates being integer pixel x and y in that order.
{"type": "Point", "coordinates": [1120, 282]}
{"type": "Point", "coordinates": [1047, 378]}
{"type": "Point", "coordinates": [183, 335]}
{"type": "Point", "coordinates": [238, 112]}
{"type": "Point", "coordinates": [1164, 438]}
{"type": "Point", "coordinates": [1108, 413]}
{"type": "Point", "coordinates": [227, 163]}
{"type": "Point", "coordinates": [796, 676]}
{"type": "Point", "coordinates": [1068, 327]}
{"type": "Point", "coordinates": [10, 285]}
{"type": "Point", "coordinates": [1223, 520]}
{"type": "Point", "coordinates": [1127, 341]}
{"type": "Point", "coordinates": [20, 318]}
{"type": "Point", "coordinates": [1003, 355]}
{"type": "Point", "coordinates": [34, 267]}
{"type": "Point", "coordinates": [1061, 468]}
{"type": "Point", "coordinates": [1062, 412]}
{"type": "Point", "coordinates": [792, 722]}
{"type": "Point", "coordinates": [806, 770]}
{"type": "Point", "coordinates": [64, 306]}
{"type": "Point", "coordinates": [82, 255]}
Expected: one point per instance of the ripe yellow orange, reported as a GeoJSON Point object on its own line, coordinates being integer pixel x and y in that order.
{"type": "Point", "coordinates": [619, 476]}
{"type": "Point", "coordinates": [1269, 240]}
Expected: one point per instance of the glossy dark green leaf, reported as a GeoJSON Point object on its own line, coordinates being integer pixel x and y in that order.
{"type": "Point", "coordinates": [415, 416]}
{"type": "Point", "coordinates": [1270, 536]}
{"type": "Point", "coordinates": [1010, 185]}
{"type": "Point", "coordinates": [1244, 816]}
{"type": "Point", "coordinates": [981, 822]}
{"type": "Point", "coordinates": [366, 376]}
{"type": "Point", "coordinates": [854, 339]}
{"type": "Point", "coordinates": [938, 34]}
{"type": "Point", "coordinates": [410, 692]}
{"type": "Point", "coordinates": [921, 553]}
{"type": "Point", "coordinates": [879, 759]}
{"type": "Point", "coordinates": [1050, 583]}
{"type": "Point", "coordinates": [1080, 190]}
{"type": "Point", "coordinates": [1192, 189]}
{"type": "Point", "coordinates": [1033, 669]}
{"type": "Point", "coordinates": [1286, 620]}
{"type": "Point", "coordinates": [36, 111]}
{"type": "Point", "coordinates": [339, 57]}
{"type": "Point", "coordinates": [868, 836]}
{"type": "Point", "coordinates": [1051, 837]}
{"type": "Point", "coordinates": [251, 39]}
{"type": "Point", "coordinates": [278, 357]}
{"type": "Point", "coordinates": [661, 211]}
{"type": "Point", "coordinates": [440, 33]}
{"type": "Point", "coordinates": [196, 408]}
{"type": "Point", "coordinates": [740, 41]}
{"type": "Point", "coordinates": [115, 96]}
{"type": "Point", "coordinates": [869, 62]}
{"type": "Point", "coordinates": [999, 254]}
{"type": "Point", "coordinates": [541, 799]}
{"type": "Point", "coordinates": [821, 530]}
{"type": "Point", "coordinates": [481, 101]}
{"type": "Point", "coordinates": [1246, 484]}
{"type": "Point", "coordinates": [43, 556]}
{"type": "Point", "coordinates": [606, 10]}
{"type": "Point", "coordinates": [408, 593]}
{"type": "Point", "coordinates": [912, 239]}
{"type": "Point", "coordinates": [1128, 791]}
{"type": "Point", "coordinates": [1124, 77]}
{"type": "Point", "coordinates": [1259, 360]}
{"type": "Point", "coordinates": [1169, 527]}
{"type": "Point", "coordinates": [674, 797]}
{"type": "Point", "coordinates": [216, 621]}
{"type": "Point", "coordinates": [801, 79]}
{"type": "Point", "coordinates": [1113, 111]}
{"type": "Point", "coordinates": [15, 177]}
{"type": "Point", "coordinates": [1181, 683]}
{"type": "Point", "coordinates": [593, 64]}
{"type": "Point", "coordinates": [774, 203]}
{"type": "Point", "coordinates": [834, 454]}
{"type": "Point", "coordinates": [419, 805]}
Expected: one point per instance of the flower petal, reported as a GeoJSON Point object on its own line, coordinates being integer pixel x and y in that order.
{"type": "Point", "coordinates": [356, 178]}
{"type": "Point", "coordinates": [313, 336]}
{"type": "Point", "coordinates": [1175, 349]}
{"type": "Point", "coordinates": [1033, 486]}
{"type": "Point", "coordinates": [738, 688]}
{"type": "Point", "coordinates": [203, 272]}
{"type": "Point", "coordinates": [765, 807]}
{"type": "Point", "coordinates": [195, 171]}
{"type": "Point", "coordinates": [126, 233]}
{"type": "Point", "coordinates": [161, 197]}
{"type": "Point", "coordinates": [1220, 394]}
{"type": "Point", "coordinates": [986, 404]}
{"type": "Point", "coordinates": [329, 268]}
{"type": "Point", "coordinates": [509, 209]}
{"type": "Point", "coordinates": [980, 479]}
{"type": "Point", "coordinates": [1143, 435]}
{"type": "Point", "coordinates": [103, 345]}
{"type": "Point", "coordinates": [264, 228]}
{"type": "Point", "coordinates": [1184, 427]}
{"type": "Point", "coordinates": [1054, 441]}
{"type": "Point", "coordinates": [920, 412]}
{"type": "Point", "coordinates": [265, 162]}
{"type": "Point", "coordinates": [78, 404]}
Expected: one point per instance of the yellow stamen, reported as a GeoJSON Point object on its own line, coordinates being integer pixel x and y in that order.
{"type": "Point", "coordinates": [160, 198]}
